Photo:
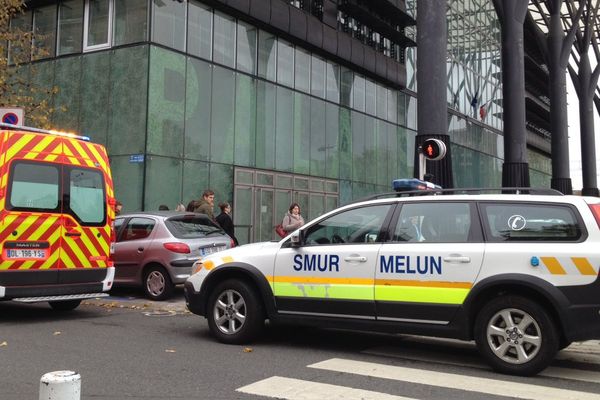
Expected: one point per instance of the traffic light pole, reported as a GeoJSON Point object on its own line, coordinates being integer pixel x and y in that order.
{"type": "Point", "coordinates": [422, 164]}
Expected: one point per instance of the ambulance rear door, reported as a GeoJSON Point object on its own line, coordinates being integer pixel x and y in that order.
{"type": "Point", "coordinates": [31, 207]}
{"type": "Point", "coordinates": [86, 230]}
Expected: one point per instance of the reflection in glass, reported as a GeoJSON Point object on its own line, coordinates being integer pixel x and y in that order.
{"type": "Point", "coordinates": [44, 28]}
{"type": "Point", "coordinates": [98, 23]}
{"type": "Point", "coordinates": [131, 21]}
{"type": "Point", "coordinates": [285, 63]}
{"type": "Point", "coordinates": [302, 82]}
{"type": "Point", "coordinates": [224, 50]}
{"type": "Point", "coordinates": [246, 48]}
{"type": "Point", "coordinates": [267, 56]}
{"type": "Point", "coordinates": [168, 23]}
{"type": "Point", "coordinates": [70, 26]}
{"type": "Point", "coordinates": [199, 30]}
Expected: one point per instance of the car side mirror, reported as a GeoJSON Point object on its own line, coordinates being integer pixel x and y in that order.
{"type": "Point", "coordinates": [297, 238]}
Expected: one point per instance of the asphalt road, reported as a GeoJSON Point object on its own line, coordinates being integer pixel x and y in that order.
{"type": "Point", "coordinates": [126, 347]}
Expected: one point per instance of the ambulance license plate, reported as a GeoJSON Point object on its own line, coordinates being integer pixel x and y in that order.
{"type": "Point", "coordinates": [25, 253]}
{"type": "Point", "coordinates": [26, 250]}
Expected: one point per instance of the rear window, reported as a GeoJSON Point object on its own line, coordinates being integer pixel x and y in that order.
{"type": "Point", "coordinates": [192, 226]}
{"type": "Point", "coordinates": [86, 196]}
{"type": "Point", "coordinates": [34, 186]}
{"type": "Point", "coordinates": [531, 222]}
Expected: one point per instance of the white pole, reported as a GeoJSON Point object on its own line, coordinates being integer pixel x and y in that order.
{"type": "Point", "coordinates": [60, 385]}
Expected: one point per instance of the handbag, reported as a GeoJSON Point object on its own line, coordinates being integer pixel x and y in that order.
{"type": "Point", "coordinates": [280, 231]}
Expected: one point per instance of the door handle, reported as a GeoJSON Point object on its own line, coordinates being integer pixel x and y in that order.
{"type": "Point", "coordinates": [457, 258]}
{"type": "Point", "coordinates": [355, 258]}
{"type": "Point", "coordinates": [73, 233]}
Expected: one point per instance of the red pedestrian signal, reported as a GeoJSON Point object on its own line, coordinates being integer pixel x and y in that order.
{"type": "Point", "coordinates": [433, 149]}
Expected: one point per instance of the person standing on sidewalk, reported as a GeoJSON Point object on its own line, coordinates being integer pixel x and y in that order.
{"type": "Point", "coordinates": [206, 204]}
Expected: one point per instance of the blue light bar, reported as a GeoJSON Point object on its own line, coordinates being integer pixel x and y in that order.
{"type": "Point", "coordinates": [404, 185]}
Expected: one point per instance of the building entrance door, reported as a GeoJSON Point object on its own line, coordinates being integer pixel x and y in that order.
{"type": "Point", "coordinates": [261, 199]}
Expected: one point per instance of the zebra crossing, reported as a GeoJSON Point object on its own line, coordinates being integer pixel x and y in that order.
{"type": "Point", "coordinates": [399, 365]}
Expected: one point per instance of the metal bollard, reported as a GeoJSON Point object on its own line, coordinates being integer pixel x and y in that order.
{"type": "Point", "coordinates": [60, 385]}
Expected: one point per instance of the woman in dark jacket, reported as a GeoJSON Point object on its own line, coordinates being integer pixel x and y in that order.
{"type": "Point", "coordinates": [224, 219]}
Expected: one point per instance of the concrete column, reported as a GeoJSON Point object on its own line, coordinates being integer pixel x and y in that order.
{"type": "Point", "coordinates": [432, 109]}
{"type": "Point", "coordinates": [586, 122]}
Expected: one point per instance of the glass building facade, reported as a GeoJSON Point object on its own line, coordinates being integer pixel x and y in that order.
{"type": "Point", "coordinates": [186, 97]}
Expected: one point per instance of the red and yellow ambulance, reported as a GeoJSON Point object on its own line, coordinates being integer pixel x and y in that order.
{"type": "Point", "coordinates": [56, 215]}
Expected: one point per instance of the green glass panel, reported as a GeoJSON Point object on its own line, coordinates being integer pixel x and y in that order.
{"type": "Point", "coordinates": [267, 55]}
{"type": "Point", "coordinates": [302, 80]}
{"type": "Point", "coordinates": [197, 109]}
{"type": "Point", "coordinates": [166, 103]}
{"type": "Point", "coordinates": [221, 182]}
{"type": "Point", "coordinates": [300, 183]}
{"type": "Point", "coordinates": [381, 101]}
{"type": "Point", "coordinates": [131, 21]}
{"type": "Point", "coordinates": [200, 19]}
{"type": "Point", "coordinates": [358, 147]}
{"type": "Point", "coordinates": [263, 179]}
{"type": "Point", "coordinates": [345, 148]}
{"type": "Point", "coordinates": [370, 150]}
{"type": "Point", "coordinates": [332, 134]}
{"type": "Point", "coordinates": [128, 179]}
{"type": "Point", "coordinates": [128, 100]}
{"type": "Point", "coordinates": [285, 182]}
{"type": "Point", "coordinates": [381, 153]}
{"type": "Point", "coordinates": [301, 133]}
{"type": "Point", "coordinates": [42, 80]}
{"type": "Point", "coordinates": [195, 180]}
{"type": "Point", "coordinates": [244, 176]}
{"type": "Point", "coordinates": [222, 122]}
{"type": "Point", "coordinates": [333, 82]}
{"type": "Point", "coordinates": [285, 63]}
{"type": "Point", "coordinates": [265, 125]}
{"type": "Point", "coordinates": [163, 182]}
{"type": "Point", "coordinates": [318, 148]}
{"type": "Point", "coordinates": [95, 85]}
{"type": "Point", "coordinates": [358, 92]}
{"type": "Point", "coordinates": [317, 77]}
{"type": "Point", "coordinates": [70, 26]}
{"type": "Point", "coordinates": [20, 23]}
{"type": "Point", "coordinates": [331, 187]}
{"type": "Point", "coordinates": [168, 23]}
{"type": "Point", "coordinates": [317, 185]}
{"type": "Point", "coordinates": [245, 120]}
{"type": "Point", "coordinates": [347, 78]}
{"type": "Point", "coordinates": [246, 48]}
{"type": "Point", "coordinates": [224, 40]}
{"type": "Point", "coordinates": [370, 97]}
{"type": "Point", "coordinates": [66, 101]}
{"type": "Point", "coordinates": [393, 155]}
{"type": "Point", "coordinates": [285, 130]}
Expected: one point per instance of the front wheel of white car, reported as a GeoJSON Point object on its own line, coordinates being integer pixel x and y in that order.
{"type": "Point", "coordinates": [235, 312]}
{"type": "Point", "coordinates": [516, 335]}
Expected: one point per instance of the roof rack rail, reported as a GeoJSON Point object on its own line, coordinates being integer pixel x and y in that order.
{"type": "Point", "coordinates": [45, 131]}
{"type": "Point", "coordinates": [435, 192]}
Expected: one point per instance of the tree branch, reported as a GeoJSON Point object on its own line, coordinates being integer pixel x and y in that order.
{"type": "Point", "coordinates": [570, 38]}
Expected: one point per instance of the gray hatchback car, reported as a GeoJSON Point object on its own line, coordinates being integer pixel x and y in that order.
{"type": "Point", "coordinates": [156, 250]}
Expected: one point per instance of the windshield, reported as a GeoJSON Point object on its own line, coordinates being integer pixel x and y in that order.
{"type": "Point", "coordinates": [192, 226]}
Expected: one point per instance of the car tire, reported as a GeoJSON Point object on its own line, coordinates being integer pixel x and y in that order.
{"type": "Point", "coordinates": [516, 335]}
{"type": "Point", "coordinates": [157, 283]}
{"type": "Point", "coordinates": [66, 305]}
{"type": "Point", "coordinates": [235, 312]}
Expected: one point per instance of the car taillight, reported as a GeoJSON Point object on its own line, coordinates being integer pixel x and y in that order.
{"type": "Point", "coordinates": [596, 211]}
{"type": "Point", "coordinates": [231, 243]}
{"type": "Point", "coordinates": [177, 247]}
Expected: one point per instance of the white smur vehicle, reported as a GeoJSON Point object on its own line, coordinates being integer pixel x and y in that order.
{"type": "Point", "coordinates": [518, 273]}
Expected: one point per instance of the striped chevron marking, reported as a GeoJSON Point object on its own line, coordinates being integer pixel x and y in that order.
{"type": "Point", "coordinates": [295, 389]}
{"type": "Point", "coordinates": [452, 381]}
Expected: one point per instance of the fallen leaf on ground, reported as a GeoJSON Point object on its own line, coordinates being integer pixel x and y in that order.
{"type": "Point", "coordinates": [3, 344]}
{"type": "Point", "coordinates": [57, 333]}
{"type": "Point", "coordinates": [248, 350]}
{"type": "Point", "coordinates": [170, 351]}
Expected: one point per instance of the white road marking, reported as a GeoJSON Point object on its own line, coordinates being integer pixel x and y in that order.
{"type": "Point", "coordinates": [295, 389]}
{"type": "Point", "coordinates": [551, 372]}
{"type": "Point", "coordinates": [453, 381]}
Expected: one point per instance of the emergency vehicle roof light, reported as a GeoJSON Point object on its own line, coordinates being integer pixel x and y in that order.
{"type": "Point", "coordinates": [403, 185]}
{"type": "Point", "coordinates": [46, 131]}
